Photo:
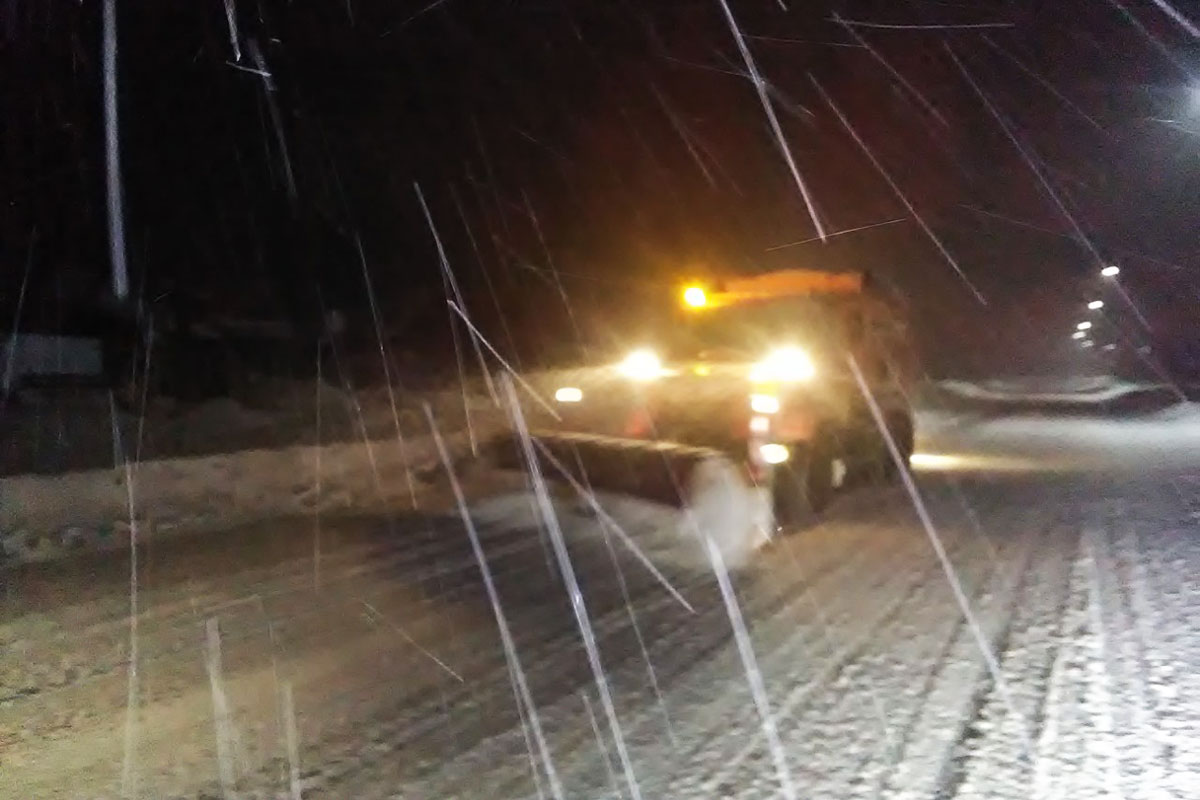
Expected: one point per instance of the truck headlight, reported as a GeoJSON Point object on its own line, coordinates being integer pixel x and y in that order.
{"type": "Point", "coordinates": [569, 394]}
{"type": "Point", "coordinates": [784, 365]}
{"type": "Point", "coordinates": [774, 453]}
{"type": "Point", "coordinates": [641, 365]}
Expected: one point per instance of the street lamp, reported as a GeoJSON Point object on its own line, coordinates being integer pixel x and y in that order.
{"type": "Point", "coordinates": [1111, 271]}
{"type": "Point", "coordinates": [1083, 326]}
{"type": "Point", "coordinates": [1095, 305]}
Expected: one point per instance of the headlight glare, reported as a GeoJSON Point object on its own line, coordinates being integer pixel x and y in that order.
{"type": "Point", "coordinates": [774, 453]}
{"type": "Point", "coordinates": [569, 394]}
{"type": "Point", "coordinates": [641, 365]}
{"type": "Point", "coordinates": [764, 403]}
{"type": "Point", "coordinates": [784, 365]}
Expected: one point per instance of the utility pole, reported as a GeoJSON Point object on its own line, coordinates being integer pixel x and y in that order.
{"type": "Point", "coordinates": [116, 213]}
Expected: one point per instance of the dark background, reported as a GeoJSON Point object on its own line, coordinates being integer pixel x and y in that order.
{"type": "Point", "coordinates": [598, 151]}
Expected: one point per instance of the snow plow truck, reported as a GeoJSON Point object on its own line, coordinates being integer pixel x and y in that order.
{"type": "Point", "coordinates": [761, 399]}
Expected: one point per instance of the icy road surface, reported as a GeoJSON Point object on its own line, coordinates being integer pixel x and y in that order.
{"type": "Point", "coordinates": [378, 670]}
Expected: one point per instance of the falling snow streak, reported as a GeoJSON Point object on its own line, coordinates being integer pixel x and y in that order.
{"type": "Point", "coordinates": [677, 124]}
{"type": "Point", "coordinates": [448, 274]}
{"type": "Point", "coordinates": [317, 482]}
{"type": "Point", "coordinates": [895, 73]}
{"type": "Point", "coordinates": [231, 20]}
{"type": "Point", "coordinates": [758, 690]}
{"type": "Point", "coordinates": [590, 498]}
{"type": "Point", "coordinates": [129, 783]}
{"type": "Point", "coordinates": [449, 284]}
{"type": "Point", "coordinates": [487, 278]}
{"type": "Point", "coordinates": [1045, 84]}
{"type": "Point", "coordinates": [422, 12]}
{"type": "Point", "coordinates": [112, 157]}
{"type": "Point", "coordinates": [276, 118]}
{"type": "Point", "coordinates": [760, 86]}
{"type": "Point", "coordinates": [379, 615]}
{"type": "Point", "coordinates": [1154, 41]}
{"type": "Point", "coordinates": [292, 741]}
{"type": "Point", "coordinates": [222, 713]}
{"type": "Point", "coordinates": [897, 26]}
{"type": "Point", "coordinates": [510, 649]}
{"type": "Point", "coordinates": [837, 233]}
{"type": "Point", "coordinates": [604, 756]}
{"type": "Point", "coordinates": [387, 370]}
{"type": "Point", "coordinates": [862, 145]}
{"type": "Point", "coordinates": [496, 354]}
{"type": "Point", "coordinates": [989, 656]}
{"type": "Point", "coordinates": [1027, 155]}
{"type": "Point", "coordinates": [1177, 17]}
{"type": "Point", "coordinates": [14, 337]}
{"type": "Point", "coordinates": [571, 583]}
{"type": "Point", "coordinates": [144, 389]}
{"type": "Point", "coordinates": [786, 40]}
{"type": "Point", "coordinates": [558, 284]}
{"type": "Point", "coordinates": [529, 746]}
{"type": "Point", "coordinates": [637, 633]}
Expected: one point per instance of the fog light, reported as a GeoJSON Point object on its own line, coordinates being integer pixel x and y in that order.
{"type": "Point", "coordinates": [764, 403]}
{"type": "Point", "coordinates": [568, 394]}
{"type": "Point", "coordinates": [759, 424]}
{"type": "Point", "coordinates": [773, 453]}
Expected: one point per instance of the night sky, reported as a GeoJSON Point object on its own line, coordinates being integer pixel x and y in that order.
{"type": "Point", "coordinates": [602, 150]}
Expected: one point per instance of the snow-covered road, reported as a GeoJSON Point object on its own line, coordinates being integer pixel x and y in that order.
{"type": "Point", "coordinates": [361, 656]}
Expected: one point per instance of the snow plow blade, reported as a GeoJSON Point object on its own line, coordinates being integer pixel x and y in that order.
{"type": "Point", "coordinates": [658, 471]}
{"type": "Point", "coordinates": [708, 496]}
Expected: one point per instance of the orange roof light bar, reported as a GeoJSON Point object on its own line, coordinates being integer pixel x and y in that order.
{"type": "Point", "coordinates": [695, 297]}
{"type": "Point", "coordinates": [774, 285]}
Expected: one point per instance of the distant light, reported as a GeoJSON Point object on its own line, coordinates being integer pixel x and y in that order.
{"type": "Point", "coordinates": [773, 453]}
{"type": "Point", "coordinates": [1095, 305]}
{"type": "Point", "coordinates": [1110, 271]}
{"type": "Point", "coordinates": [695, 297]}
{"type": "Point", "coordinates": [1078, 335]}
{"type": "Point", "coordinates": [1083, 326]}
{"type": "Point", "coordinates": [1108, 348]}
{"type": "Point", "coordinates": [569, 394]}
{"type": "Point", "coordinates": [764, 403]}
{"type": "Point", "coordinates": [759, 424]}
{"type": "Point", "coordinates": [934, 461]}
{"type": "Point", "coordinates": [1087, 343]}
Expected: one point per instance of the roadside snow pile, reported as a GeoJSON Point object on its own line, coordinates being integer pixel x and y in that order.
{"type": "Point", "coordinates": [45, 517]}
{"type": "Point", "coordinates": [1168, 438]}
{"type": "Point", "coordinates": [1087, 393]}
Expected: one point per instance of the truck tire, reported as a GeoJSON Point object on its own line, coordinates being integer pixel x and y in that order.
{"type": "Point", "coordinates": [803, 487]}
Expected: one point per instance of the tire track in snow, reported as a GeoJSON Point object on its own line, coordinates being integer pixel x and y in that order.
{"type": "Point", "coordinates": [670, 634]}
{"type": "Point", "coordinates": [995, 763]}
{"type": "Point", "coordinates": [701, 714]}
{"type": "Point", "coordinates": [956, 687]}
{"type": "Point", "coordinates": [847, 721]}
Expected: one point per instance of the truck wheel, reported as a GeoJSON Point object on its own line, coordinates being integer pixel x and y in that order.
{"type": "Point", "coordinates": [803, 487]}
{"type": "Point", "coordinates": [900, 427]}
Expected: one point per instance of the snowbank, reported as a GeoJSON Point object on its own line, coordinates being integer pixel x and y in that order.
{"type": "Point", "coordinates": [1090, 394]}
{"type": "Point", "coordinates": [1145, 443]}
{"type": "Point", "coordinates": [46, 517]}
